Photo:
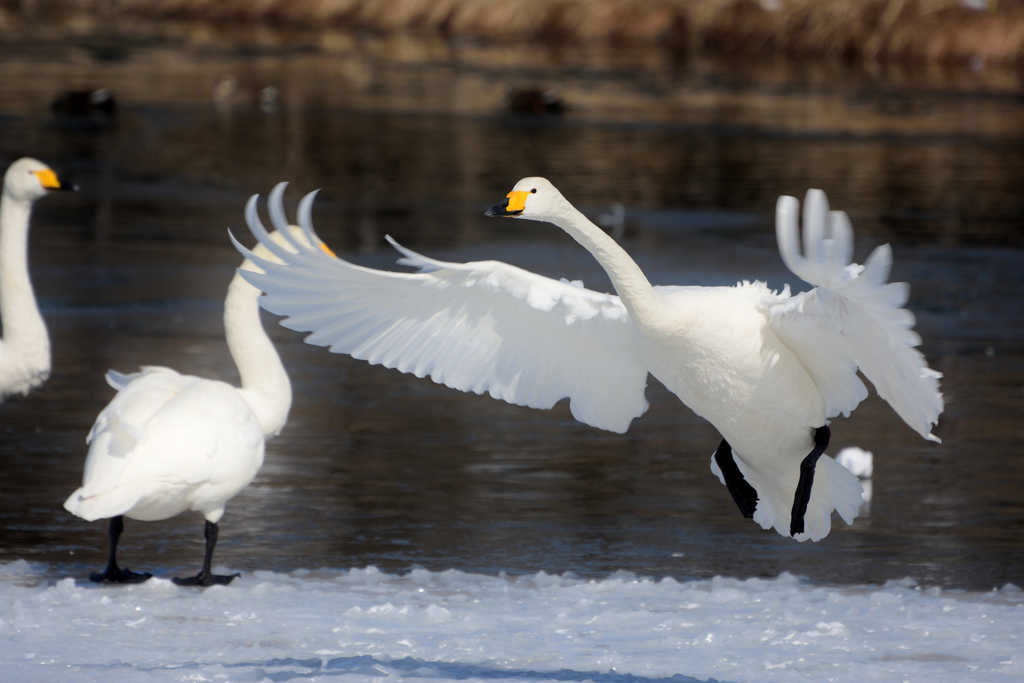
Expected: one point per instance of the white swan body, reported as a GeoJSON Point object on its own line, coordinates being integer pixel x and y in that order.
{"type": "Point", "coordinates": [767, 369]}
{"type": "Point", "coordinates": [168, 442]}
{"type": "Point", "coordinates": [25, 349]}
{"type": "Point", "coordinates": [165, 444]}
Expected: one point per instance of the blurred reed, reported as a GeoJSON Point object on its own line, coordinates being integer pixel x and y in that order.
{"type": "Point", "coordinates": [974, 32]}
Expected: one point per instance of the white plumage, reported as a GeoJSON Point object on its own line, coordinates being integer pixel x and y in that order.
{"type": "Point", "coordinates": [169, 442]}
{"type": "Point", "coordinates": [165, 444]}
{"type": "Point", "coordinates": [25, 349]}
{"type": "Point", "coordinates": [767, 369]}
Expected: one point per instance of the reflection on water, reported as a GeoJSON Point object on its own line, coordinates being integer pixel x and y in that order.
{"type": "Point", "coordinates": [380, 468]}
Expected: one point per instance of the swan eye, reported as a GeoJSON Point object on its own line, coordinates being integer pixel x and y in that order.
{"type": "Point", "coordinates": [533, 191]}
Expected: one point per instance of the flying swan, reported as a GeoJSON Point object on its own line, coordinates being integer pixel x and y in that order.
{"type": "Point", "coordinates": [168, 442]}
{"type": "Point", "coordinates": [767, 369]}
{"type": "Point", "coordinates": [25, 349]}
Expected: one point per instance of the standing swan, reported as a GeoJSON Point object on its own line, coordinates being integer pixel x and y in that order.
{"type": "Point", "coordinates": [25, 349]}
{"type": "Point", "coordinates": [767, 369]}
{"type": "Point", "coordinates": [168, 442]}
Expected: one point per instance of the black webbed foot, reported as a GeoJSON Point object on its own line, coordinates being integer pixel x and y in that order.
{"type": "Point", "coordinates": [206, 577]}
{"type": "Point", "coordinates": [117, 575]}
{"type": "Point", "coordinates": [740, 489]}
{"type": "Point", "coordinates": [113, 573]}
{"type": "Point", "coordinates": [203, 579]}
{"type": "Point", "coordinates": [803, 488]}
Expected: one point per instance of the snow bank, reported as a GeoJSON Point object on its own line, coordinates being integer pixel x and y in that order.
{"type": "Point", "coordinates": [362, 625]}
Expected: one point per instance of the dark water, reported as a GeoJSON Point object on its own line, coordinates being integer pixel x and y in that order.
{"type": "Point", "coordinates": [412, 140]}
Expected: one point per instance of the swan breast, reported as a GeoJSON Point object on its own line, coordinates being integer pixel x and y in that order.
{"type": "Point", "coordinates": [720, 355]}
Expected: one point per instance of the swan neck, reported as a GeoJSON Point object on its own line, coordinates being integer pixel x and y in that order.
{"type": "Point", "coordinates": [632, 286]}
{"type": "Point", "coordinates": [23, 327]}
{"type": "Point", "coordinates": [265, 383]}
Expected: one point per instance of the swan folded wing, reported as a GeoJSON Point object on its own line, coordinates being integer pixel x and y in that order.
{"type": "Point", "coordinates": [481, 327]}
{"type": "Point", "coordinates": [123, 423]}
{"type": "Point", "coordinates": [205, 434]}
{"type": "Point", "coordinates": [854, 319]}
{"type": "Point", "coordinates": [810, 330]}
{"type": "Point", "coordinates": [164, 430]}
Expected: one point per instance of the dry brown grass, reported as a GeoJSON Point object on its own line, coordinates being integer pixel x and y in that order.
{"type": "Point", "coordinates": [883, 30]}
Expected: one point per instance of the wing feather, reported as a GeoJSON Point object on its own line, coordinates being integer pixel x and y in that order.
{"type": "Point", "coordinates": [854, 319]}
{"type": "Point", "coordinates": [485, 327]}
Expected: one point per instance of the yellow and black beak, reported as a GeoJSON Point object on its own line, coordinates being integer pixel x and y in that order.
{"type": "Point", "coordinates": [514, 204]}
{"type": "Point", "coordinates": [49, 180]}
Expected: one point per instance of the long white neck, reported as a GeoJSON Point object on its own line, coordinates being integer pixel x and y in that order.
{"type": "Point", "coordinates": [639, 298]}
{"type": "Point", "coordinates": [265, 383]}
{"type": "Point", "coordinates": [26, 343]}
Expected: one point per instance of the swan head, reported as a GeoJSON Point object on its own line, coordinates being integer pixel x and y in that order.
{"type": "Point", "coordinates": [534, 198]}
{"type": "Point", "coordinates": [29, 179]}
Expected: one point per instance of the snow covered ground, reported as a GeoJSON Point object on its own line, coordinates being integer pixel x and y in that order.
{"type": "Point", "coordinates": [362, 625]}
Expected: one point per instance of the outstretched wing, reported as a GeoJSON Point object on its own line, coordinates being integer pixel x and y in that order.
{"type": "Point", "coordinates": [853, 319]}
{"type": "Point", "coordinates": [482, 327]}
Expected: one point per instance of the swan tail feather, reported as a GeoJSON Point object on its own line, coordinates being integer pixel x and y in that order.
{"type": "Point", "coordinates": [834, 488]}
{"type": "Point", "coordinates": [116, 502]}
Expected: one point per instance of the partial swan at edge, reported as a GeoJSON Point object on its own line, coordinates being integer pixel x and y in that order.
{"type": "Point", "coordinates": [25, 349]}
{"type": "Point", "coordinates": [767, 369]}
{"type": "Point", "coordinates": [169, 442]}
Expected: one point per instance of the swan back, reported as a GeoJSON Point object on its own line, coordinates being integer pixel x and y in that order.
{"type": "Point", "coordinates": [165, 444]}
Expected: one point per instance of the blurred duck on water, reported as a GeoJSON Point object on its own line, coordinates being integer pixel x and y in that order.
{"type": "Point", "coordinates": [535, 100]}
{"type": "Point", "coordinates": [229, 93]}
{"type": "Point", "coordinates": [25, 349]}
{"type": "Point", "coordinates": [768, 369]}
{"type": "Point", "coordinates": [169, 442]}
{"type": "Point", "coordinates": [79, 103]}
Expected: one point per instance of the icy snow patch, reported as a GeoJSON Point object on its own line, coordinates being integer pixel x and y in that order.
{"type": "Point", "coordinates": [360, 625]}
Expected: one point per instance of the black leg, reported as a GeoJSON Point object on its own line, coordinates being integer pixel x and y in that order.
{"type": "Point", "coordinates": [803, 489]}
{"type": "Point", "coordinates": [113, 573]}
{"type": "Point", "coordinates": [742, 492]}
{"type": "Point", "coordinates": [206, 577]}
